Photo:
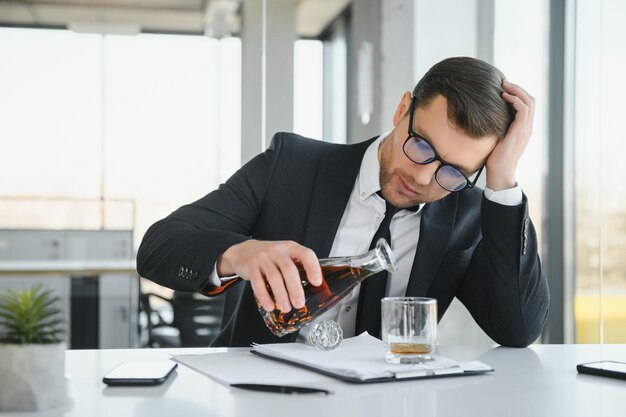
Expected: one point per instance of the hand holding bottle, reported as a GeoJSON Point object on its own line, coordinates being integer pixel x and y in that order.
{"type": "Point", "coordinates": [273, 264]}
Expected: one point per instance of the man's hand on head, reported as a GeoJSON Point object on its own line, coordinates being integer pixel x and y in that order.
{"type": "Point", "coordinates": [273, 264]}
{"type": "Point", "coordinates": [502, 162]}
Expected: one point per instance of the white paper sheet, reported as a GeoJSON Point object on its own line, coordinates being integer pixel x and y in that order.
{"type": "Point", "coordinates": [246, 368]}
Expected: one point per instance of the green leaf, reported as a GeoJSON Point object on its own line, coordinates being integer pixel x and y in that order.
{"type": "Point", "coordinates": [30, 316]}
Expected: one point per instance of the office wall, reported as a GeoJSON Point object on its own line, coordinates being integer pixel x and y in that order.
{"type": "Point", "coordinates": [444, 28]}
{"type": "Point", "coordinates": [414, 35]}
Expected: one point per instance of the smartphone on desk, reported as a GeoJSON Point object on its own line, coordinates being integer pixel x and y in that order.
{"type": "Point", "coordinates": [140, 373]}
{"type": "Point", "coordinates": [609, 369]}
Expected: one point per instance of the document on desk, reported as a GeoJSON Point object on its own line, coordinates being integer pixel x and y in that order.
{"type": "Point", "coordinates": [357, 359]}
{"type": "Point", "coordinates": [361, 359]}
{"type": "Point", "coordinates": [242, 367]}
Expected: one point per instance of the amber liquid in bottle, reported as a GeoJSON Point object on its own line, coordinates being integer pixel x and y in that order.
{"type": "Point", "coordinates": [342, 279]}
{"type": "Point", "coordinates": [340, 276]}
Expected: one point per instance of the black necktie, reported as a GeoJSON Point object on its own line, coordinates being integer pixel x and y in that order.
{"type": "Point", "coordinates": [373, 288]}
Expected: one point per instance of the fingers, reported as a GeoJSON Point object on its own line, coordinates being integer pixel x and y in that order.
{"type": "Point", "coordinates": [311, 266]}
{"type": "Point", "coordinates": [272, 271]}
{"type": "Point", "coordinates": [269, 285]}
{"type": "Point", "coordinates": [274, 279]}
{"type": "Point", "coordinates": [519, 99]}
{"type": "Point", "coordinates": [309, 262]}
{"type": "Point", "coordinates": [257, 281]}
{"type": "Point", "coordinates": [516, 90]}
{"type": "Point", "coordinates": [518, 104]}
{"type": "Point", "coordinates": [502, 161]}
{"type": "Point", "coordinates": [294, 286]}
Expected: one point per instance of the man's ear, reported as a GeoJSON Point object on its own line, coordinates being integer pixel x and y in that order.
{"type": "Point", "coordinates": [403, 107]}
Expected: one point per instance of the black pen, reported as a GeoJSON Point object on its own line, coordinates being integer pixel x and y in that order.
{"type": "Point", "coordinates": [285, 389]}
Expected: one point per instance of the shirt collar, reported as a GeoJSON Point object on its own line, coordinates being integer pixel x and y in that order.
{"type": "Point", "coordinates": [369, 173]}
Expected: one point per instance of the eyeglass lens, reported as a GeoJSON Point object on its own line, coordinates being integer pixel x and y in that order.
{"type": "Point", "coordinates": [447, 176]}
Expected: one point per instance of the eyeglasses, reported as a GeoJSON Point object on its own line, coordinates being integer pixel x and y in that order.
{"type": "Point", "coordinates": [418, 150]}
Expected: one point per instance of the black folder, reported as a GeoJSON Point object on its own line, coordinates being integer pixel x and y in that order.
{"type": "Point", "coordinates": [425, 374]}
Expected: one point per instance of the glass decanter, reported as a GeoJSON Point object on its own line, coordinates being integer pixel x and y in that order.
{"type": "Point", "coordinates": [340, 276]}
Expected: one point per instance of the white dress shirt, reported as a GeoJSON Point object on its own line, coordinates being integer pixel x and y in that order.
{"type": "Point", "coordinates": [364, 213]}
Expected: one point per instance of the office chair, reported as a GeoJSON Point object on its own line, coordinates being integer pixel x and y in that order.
{"type": "Point", "coordinates": [195, 320]}
{"type": "Point", "coordinates": [155, 324]}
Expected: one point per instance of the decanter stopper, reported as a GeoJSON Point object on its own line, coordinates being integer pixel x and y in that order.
{"type": "Point", "coordinates": [326, 335]}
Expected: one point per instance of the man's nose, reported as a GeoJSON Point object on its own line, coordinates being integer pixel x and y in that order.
{"type": "Point", "coordinates": [424, 174]}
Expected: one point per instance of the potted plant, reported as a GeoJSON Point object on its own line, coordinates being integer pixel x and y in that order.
{"type": "Point", "coordinates": [32, 351]}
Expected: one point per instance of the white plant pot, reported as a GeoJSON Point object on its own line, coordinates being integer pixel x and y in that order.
{"type": "Point", "coordinates": [32, 377]}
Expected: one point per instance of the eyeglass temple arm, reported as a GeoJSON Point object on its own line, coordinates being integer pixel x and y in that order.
{"type": "Point", "coordinates": [480, 171]}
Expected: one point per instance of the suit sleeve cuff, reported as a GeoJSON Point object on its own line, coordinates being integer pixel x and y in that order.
{"type": "Point", "coordinates": [508, 197]}
{"type": "Point", "coordinates": [216, 280]}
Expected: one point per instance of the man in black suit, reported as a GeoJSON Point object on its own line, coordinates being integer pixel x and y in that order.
{"type": "Point", "coordinates": [303, 199]}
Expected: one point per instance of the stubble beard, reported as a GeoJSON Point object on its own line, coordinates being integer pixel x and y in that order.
{"type": "Point", "coordinates": [386, 175]}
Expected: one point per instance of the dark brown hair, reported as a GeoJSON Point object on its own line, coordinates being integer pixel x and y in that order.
{"type": "Point", "coordinates": [473, 89]}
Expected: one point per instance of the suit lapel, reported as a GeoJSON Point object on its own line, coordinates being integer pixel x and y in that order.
{"type": "Point", "coordinates": [335, 179]}
{"type": "Point", "coordinates": [435, 230]}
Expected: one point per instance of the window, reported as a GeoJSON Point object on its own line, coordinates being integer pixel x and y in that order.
{"type": "Point", "coordinates": [308, 88]}
{"type": "Point", "coordinates": [521, 52]}
{"type": "Point", "coordinates": [147, 123]}
{"type": "Point", "coordinates": [599, 146]}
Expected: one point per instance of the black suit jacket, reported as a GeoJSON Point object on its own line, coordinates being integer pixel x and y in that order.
{"type": "Point", "coordinates": [469, 247]}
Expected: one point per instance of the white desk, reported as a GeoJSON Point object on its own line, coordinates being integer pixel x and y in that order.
{"type": "Point", "coordinates": [538, 381]}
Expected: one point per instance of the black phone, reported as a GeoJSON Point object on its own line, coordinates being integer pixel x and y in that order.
{"type": "Point", "coordinates": [140, 373]}
{"type": "Point", "coordinates": [611, 369]}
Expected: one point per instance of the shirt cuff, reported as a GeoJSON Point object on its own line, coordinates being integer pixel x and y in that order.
{"type": "Point", "coordinates": [508, 197]}
{"type": "Point", "coordinates": [216, 280]}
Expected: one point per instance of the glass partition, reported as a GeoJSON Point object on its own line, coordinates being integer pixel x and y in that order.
{"type": "Point", "coordinates": [522, 54]}
{"type": "Point", "coordinates": [600, 195]}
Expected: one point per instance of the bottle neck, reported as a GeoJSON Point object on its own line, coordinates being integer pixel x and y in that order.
{"type": "Point", "coordinates": [376, 260]}
{"type": "Point", "coordinates": [373, 261]}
